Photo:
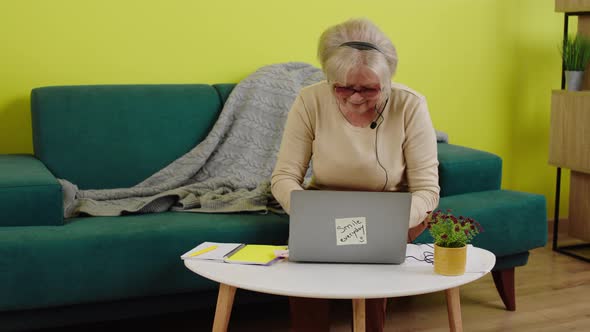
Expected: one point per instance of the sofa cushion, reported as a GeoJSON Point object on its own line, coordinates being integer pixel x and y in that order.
{"type": "Point", "coordinates": [29, 193]}
{"type": "Point", "coordinates": [112, 136]}
{"type": "Point", "coordinates": [224, 90]}
{"type": "Point", "coordinates": [464, 170]}
{"type": "Point", "coordinates": [514, 222]}
{"type": "Point", "coordinates": [108, 258]}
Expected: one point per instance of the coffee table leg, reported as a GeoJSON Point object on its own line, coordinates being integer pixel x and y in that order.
{"type": "Point", "coordinates": [454, 309]}
{"type": "Point", "coordinates": [225, 301]}
{"type": "Point", "coordinates": [358, 311]}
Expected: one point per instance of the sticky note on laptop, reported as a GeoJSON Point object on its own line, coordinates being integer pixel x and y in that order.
{"type": "Point", "coordinates": [351, 231]}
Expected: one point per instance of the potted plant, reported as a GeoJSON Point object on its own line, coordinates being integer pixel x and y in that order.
{"type": "Point", "coordinates": [451, 235]}
{"type": "Point", "coordinates": [575, 53]}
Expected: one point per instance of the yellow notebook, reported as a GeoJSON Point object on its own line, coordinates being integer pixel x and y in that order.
{"type": "Point", "coordinates": [256, 254]}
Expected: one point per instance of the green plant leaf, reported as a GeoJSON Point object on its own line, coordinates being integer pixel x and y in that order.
{"type": "Point", "coordinates": [575, 52]}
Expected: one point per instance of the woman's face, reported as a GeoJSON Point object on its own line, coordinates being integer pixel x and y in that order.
{"type": "Point", "coordinates": [362, 91]}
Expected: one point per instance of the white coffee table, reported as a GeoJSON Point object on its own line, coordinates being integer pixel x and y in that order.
{"type": "Point", "coordinates": [339, 281]}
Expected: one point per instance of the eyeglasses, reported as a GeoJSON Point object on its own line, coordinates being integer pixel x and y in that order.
{"type": "Point", "coordinates": [347, 91]}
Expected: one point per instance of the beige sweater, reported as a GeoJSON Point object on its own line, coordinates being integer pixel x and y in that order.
{"type": "Point", "coordinates": [344, 156]}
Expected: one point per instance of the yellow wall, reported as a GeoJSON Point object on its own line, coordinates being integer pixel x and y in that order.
{"type": "Point", "coordinates": [486, 66]}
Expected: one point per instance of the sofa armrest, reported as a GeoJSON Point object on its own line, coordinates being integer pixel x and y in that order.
{"type": "Point", "coordinates": [29, 194]}
{"type": "Point", "coordinates": [463, 170]}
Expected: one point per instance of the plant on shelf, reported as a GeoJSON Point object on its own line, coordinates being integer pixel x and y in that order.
{"type": "Point", "coordinates": [451, 235]}
{"type": "Point", "coordinates": [575, 53]}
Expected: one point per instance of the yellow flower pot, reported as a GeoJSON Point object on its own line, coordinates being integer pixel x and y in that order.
{"type": "Point", "coordinates": [450, 261]}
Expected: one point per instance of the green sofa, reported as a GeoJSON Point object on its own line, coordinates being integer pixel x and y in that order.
{"type": "Point", "coordinates": [56, 272]}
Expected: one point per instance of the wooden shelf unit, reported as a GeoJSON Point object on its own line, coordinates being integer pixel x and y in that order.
{"type": "Point", "coordinates": [569, 147]}
{"type": "Point", "coordinates": [569, 137]}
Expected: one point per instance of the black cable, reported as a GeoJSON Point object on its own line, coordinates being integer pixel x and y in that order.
{"type": "Point", "coordinates": [428, 255]}
{"type": "Point", "coordinates": [377, 150]}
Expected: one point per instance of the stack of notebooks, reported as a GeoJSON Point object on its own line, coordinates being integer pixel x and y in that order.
{"type": "Point", "coordinates": [237, 253]}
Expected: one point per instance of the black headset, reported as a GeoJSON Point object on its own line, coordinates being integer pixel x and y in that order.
{"type": "Point", "coordinates": [364, 46]}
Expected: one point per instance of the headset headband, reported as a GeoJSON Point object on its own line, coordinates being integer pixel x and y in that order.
{"type": "Point", "coordinates": [363, 46]}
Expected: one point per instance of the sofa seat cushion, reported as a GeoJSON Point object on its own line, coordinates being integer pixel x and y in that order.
{"type": "Point", "coordinates": [29, 193]}
{"type": "Point", "coordinates": [108, 258]}
{"type": "Point", "coordinates": [514, 222]}
{"type": "Point", "coordinates": [463, 170]}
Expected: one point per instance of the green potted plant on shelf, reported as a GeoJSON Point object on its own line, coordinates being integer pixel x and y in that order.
{"type": "Point", "coordinates": [451, 235]}
{"type": "Point", "coordinates": [575, 53]}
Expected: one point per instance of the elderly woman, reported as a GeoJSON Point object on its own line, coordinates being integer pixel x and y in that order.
{"type": "Point", "coordinates": [361, 132]}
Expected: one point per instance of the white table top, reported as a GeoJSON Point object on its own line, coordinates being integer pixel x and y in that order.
{"type": "Point", "coordinates": [340, 281]}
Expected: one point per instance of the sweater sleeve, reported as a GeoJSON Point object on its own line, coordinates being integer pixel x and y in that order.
{"type": "Point", "coordinates": [421, 157]}
{"type": "Point", "coordinates": [294, 154]}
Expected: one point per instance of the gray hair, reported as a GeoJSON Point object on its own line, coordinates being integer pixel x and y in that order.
{"type": "Point", "coordinates": [337, 61]}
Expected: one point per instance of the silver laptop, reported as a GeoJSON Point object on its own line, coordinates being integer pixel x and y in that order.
{"type": "Point", "coordinates": [349, 226]}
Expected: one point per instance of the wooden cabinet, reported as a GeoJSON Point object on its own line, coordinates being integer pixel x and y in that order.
{"type": "Point", "coordinates": [569, 137]}
{"type": "Point", "coordinates": [569, 147]}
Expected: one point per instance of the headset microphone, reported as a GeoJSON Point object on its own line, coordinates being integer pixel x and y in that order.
{"type": "Point", "coordinates": [374, 123]}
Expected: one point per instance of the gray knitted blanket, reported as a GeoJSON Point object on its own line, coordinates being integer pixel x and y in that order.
{"type": "Point", "coordinates": [229, 170]}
